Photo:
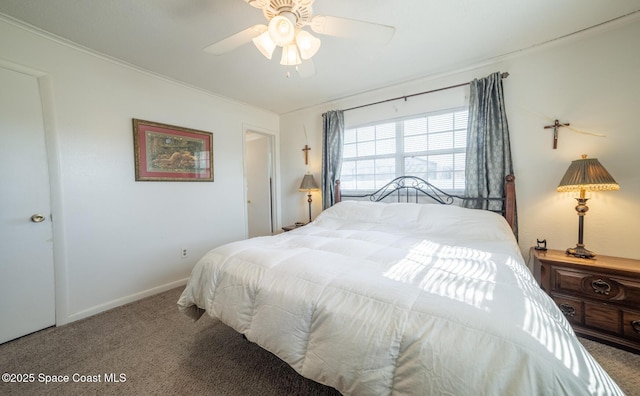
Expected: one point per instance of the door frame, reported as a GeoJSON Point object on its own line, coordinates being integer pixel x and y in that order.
{"type": "Point", "coordinates": [273, 141]}
{"type": "Point", "coordinates": [51, 138]}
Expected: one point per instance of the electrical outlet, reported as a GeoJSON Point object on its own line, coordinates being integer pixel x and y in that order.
{"type": "Point", "coordinates": [184, 253]}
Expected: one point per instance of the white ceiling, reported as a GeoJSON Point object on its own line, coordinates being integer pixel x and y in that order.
{"type": "Point", "coordinates": [432, 37]}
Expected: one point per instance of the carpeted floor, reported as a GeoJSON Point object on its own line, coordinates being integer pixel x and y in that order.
{"type": "Point", "coordinates": [149, 348]}
{"type": "Point", "coordinates": [622, 366]}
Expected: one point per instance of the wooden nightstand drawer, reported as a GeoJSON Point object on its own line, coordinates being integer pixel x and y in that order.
{"type": "Point", "coordinates": [596, 285]}
{"type": "Point", "coordinates": [631, 325]}
{"type": "Point", "coordinates": [570, 307]}
{"type": "Point", "coordinates": [602, 316]}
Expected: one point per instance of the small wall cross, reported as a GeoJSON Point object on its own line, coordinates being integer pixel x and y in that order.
{"type": "Point", "coordinates": [306, 154]}
{"type": "Point", "coordinates": [555, 127]}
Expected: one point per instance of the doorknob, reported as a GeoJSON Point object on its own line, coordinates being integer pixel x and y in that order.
{"type": "Point", "coordinates": [36, 218]}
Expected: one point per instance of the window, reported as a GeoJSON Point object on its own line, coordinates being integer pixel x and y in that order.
{"type": "Point", "coordinates": [431, 146]}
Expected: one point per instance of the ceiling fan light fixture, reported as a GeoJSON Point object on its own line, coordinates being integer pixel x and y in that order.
{"type": "Point", "coordinates": [290, 55]}
{"type": "Point", "coordinates": [265, 45]}
{"type": "Point", "coordinates": [282, 29]}
{"type": "Point", "coordinates": [307, 44]}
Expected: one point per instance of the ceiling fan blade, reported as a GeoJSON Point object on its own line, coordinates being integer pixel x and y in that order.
{"type": "Point", "coordinates": [236, 40]}
{"type": "Point", "coordinates": [351, 28]}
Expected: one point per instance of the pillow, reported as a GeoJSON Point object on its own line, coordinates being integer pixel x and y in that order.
{"type": "Point", "coordinates": [397, 214]}
{"type": "Point", "coordinates": [459, 222]}
{"type": "Point", "coordinates": [437, 219]}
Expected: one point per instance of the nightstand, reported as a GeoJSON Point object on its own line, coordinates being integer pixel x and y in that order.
{"type": "Point", "coordinates": [293, 226]}
{"type": "Point", "coordinates": [600, 297]}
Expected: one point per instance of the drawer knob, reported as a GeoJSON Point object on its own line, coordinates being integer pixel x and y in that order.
{"type": "Point", "coordinates": [635, 325]}
{"type": "Point", "coordinates": [568, 310]}
{"type": "Point", "coordinates": [601, 287]}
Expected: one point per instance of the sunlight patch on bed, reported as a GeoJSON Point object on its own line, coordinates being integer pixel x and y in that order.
{"type": "Point", "coordinates": [415, 262]}
{"type": "Point", "coordinates": [459, 273]}
{"type": "Point", "coordinates": [461, 280]}
{"type": "Point", "coordinates": [573, 356]}
{"type": "Point", "coordinates": [537, 322]}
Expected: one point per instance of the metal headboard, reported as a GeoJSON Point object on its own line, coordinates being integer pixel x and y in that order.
{"type": "Point", "coordinates": [407, 188]}
{"type": "Point", "coordinates": [412, 188]}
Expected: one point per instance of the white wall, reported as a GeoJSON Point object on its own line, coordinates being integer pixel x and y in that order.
{"type": "Point", "coordinates": [116, 239]}
{"type": "Point", "coordinates": [591, 81]}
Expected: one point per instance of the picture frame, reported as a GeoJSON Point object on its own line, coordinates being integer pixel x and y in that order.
{"type": "Point", "coordinates": [171, 153]}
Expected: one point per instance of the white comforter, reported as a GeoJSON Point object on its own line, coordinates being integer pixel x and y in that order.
{"type": "Point", "coordinates": [395, 299]}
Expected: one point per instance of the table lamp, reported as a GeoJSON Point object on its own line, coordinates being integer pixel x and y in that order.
{"type": "Point", "coordinates": [586, 174]}
{"type": "Point", "coordinates": [309, 184]}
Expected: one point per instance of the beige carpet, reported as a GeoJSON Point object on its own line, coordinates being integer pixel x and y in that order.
{"type": "Point", "coordinates": [152, 349]}
{"type": "Point", "coordinates": [622, 366]}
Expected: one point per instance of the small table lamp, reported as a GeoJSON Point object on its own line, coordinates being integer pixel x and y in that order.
{"type": "Point", "coordinates": [309, 184]}
{"type": "Point", "coordinates": [585, 174]}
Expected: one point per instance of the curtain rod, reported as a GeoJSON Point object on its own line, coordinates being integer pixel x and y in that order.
{"type": "Point", "coordinates": [503, 75]}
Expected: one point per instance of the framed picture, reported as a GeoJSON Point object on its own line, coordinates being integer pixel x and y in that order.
{"type": "Point", "coordinates": [170, 153]}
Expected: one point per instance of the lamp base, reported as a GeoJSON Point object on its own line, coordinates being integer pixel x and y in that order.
{"type": "Point", "coordinates": [580, 251]}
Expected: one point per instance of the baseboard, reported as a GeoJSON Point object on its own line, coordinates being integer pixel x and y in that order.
{"type": "Point", "coordinates": [124, 300]}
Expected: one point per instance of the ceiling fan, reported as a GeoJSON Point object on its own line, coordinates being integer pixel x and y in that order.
{"type": "Point", "coordinates": [285, 29]}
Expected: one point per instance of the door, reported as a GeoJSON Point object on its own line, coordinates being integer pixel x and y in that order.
{"type": "Point", "coordinates": [258, 165]}
{"type": "Point", "coordinates": [26, 255]}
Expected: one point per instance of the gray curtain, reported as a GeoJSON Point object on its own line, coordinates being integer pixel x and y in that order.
{"type": "Point", "coordinates": [488, 148]}
{"type": "Point", "coordinates": [332, 146]}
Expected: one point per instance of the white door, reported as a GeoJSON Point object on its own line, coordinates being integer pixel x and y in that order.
{"type": "Point", "coordinates": [26, 255]}
{"type": "Point", "coordinates": [258, 165]}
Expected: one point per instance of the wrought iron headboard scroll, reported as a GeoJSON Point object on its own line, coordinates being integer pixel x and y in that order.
{"type": "Point", "coordinates": [407, 188]}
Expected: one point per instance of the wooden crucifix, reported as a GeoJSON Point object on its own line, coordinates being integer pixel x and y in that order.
{"type": "Point", "coordinates": [555, 127]}
{"type": "Point", "coordinates": [306, 154]}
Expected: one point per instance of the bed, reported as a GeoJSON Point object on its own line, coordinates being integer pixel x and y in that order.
{"type": "Point", "coordinates": [398, 298]}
